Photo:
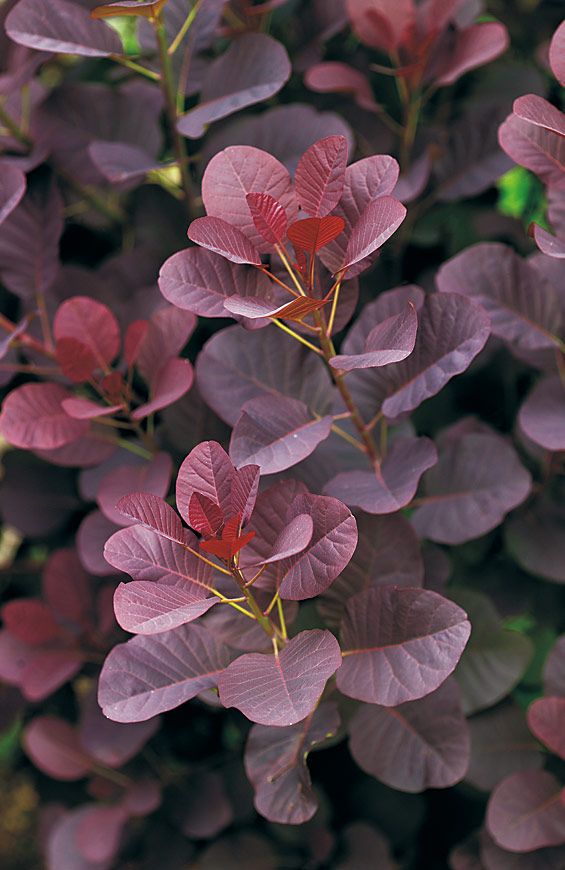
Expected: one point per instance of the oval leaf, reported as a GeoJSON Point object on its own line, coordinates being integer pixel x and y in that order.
{"type": "Point", "coordinates": [320, 176]}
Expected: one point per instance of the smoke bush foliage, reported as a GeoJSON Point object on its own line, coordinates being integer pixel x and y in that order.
{"type": "Point", "coordinates": [296, 483]}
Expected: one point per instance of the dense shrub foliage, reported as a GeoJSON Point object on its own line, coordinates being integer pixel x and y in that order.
{"type": "Point", "coordinates": [295, 483]}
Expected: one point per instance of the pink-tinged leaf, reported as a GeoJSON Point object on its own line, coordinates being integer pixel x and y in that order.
{"type": "Point", "coordinates": [48, 670]}
{"type": "Point", "coordinates": [268, 216]}
{"type": "Point", "coordinates": [147, 9]}
{"type": "Point", "coordinates": [61, 26]}
{"type": "Point", "coordinates": [92, 535]}
{"type": "Point", "coordinates": [535, 144]}
{"type": "Point", "coordinates": [155, 514]}
{"type": "Point", "coordinates": [380, 24]}
{"type": "Point", "coordinates": [216, 234]}
{"type": "Point", "coordinates": [61, 845]}
{"type": "Point", "coordinates": [256, 308]}
{"type": "Point", "coordinates": [495, 659]}
{"type": "Point", "coordinates": [542, 416]}
{"type": "Point", "coordinates": [548, 243]}
{"type": "Point", "coordinates": [391, 486]}
{"type": "Point", "coordinates": [89, 450]}
{"type": "Point", "coordinates": [169, 384]}
{"type": "Point", "coordinates": [523, 307]}
{"type": "Point", "coordinates": [12, 189]}
{"type": "Point", "coordinates": [275, 435]}
{"type": "Point", "coordinates": [293, 539]}
{"type": "Point", "coordinates": [149, 675]}
{"type": "Point", "coordinates": [91, 323]}
{"type": "Point", "coordinates": [418, 745]}
{"type": "Point", "coordinates": [33, 418]}
{"type": "Point", "coordinates": [99, 832]}
{"type": "Point", "coordinates": [145, 607]}
{"type": "Point", "coordinates": [143, 797]}
{"type": "Point", "coordinates": [84, 409]}
{"type": "Point", "coordinates": [237, 171]}
{"type": "Point", "coordinates": [557, 54]}
{"type": "Point", "coordinates": [478, 479]}
{"type": "Point", "coordinates": [534, 537]}
{"type": "Point", "coordinates": [399, 644]}
{"type": "Point", "coordinates": [554, 669]}
{"type": "Point", "coordinates": [340, 78]}
{"type": "Point", "coordinates": [207, 809]}
{"type": "Point", "coordinates": [209, 471]}
{"type": "Point", "coordinates": [525, 812]}
{"type": "Point", "coordinates": [281, 689]}
{"type": "Point", "coordinates": [148, 477]}
{"type": "Point", "coordinates": [312, 234]}
{"type": "Point", "coordinates": [275, 763]}
{"type": "Point", "coordinates": [53, 746]}
{"type": "Point", "coordinates": [473, 46]}
{"type": "Point", "coordinates": [413, 182]}
{"type": "Point", "coordinates": [30, 621]}
{"type": "Point", "coordinates": [388, 554]}
{"type": "Point", "coordinates": [200, 281]}
{"type": "Point", "coordinates": [244, 489]}
{"type": "Point", "coordinates": [380, 219]}
{"type": "Point", "coordinates": [320, 176]}
{"type": "Point", "coordinates": [167, 333]}
{"type": "Point", "coordinates": [501, 744]}
{"type": "Point", "coordinates": [111, 743]}
{"type": "Point", "coordinates": [546, 719]}
{"type": "Point", "coordinates": [145, 555]}
{"type": "Point", "coordinates": [235, 366]}
{"type": "Point", "coordinates": [66, 587]}
{"type": "Point", "coordinates": [254, 68]}
{"type": "Point", "coordinates": [389, 342]}
{"type": "Point", "coordinates": [134, 338]}
{"type": "Point", "coordinates": [29, 241]}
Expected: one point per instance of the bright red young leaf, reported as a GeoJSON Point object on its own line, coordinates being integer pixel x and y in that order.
{"type": "Point", "coordinates": [311, 234]}
{"type": "Point", "coordinates": [204, 515]}
{"type": "Point", "coordinates": [268, 216]}
{"type": "Point", "coordinates": [229, 541]}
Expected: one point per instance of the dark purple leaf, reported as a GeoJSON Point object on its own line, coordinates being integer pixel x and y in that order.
{"type": "Point", "coordinates": [112, 743]}
{"type": "Point", "coordinates": [92, 535]}
{"type": "Point", "coordinates": [546, 718]}
{"type": "Point", "coordinates": [525, 812]}
{"type": "Point", "coordinates": [146, 607]}
{"type": "Point", "coordinates": [12, 189]}
{"type": "Point", "coordinates": [33, 418]}
{"type": "Point", "coordinates": [542, 416]}
{"type": "Point", "coordinates": [473, 46]}
{"type": "Point", "coordinates": [399, 644]}
{"type": "Point", "coordinates": [217, 235]}
{"type": "Point", "coordinates": [207, 809]}
{"type": "Point", "coordinates": [418, 745]}
{"type": "Point", "coordinates": [495, 658]}
{"type": "Point", "coordinates": [148, 477]}
{"type": "Point", "coordinates": [523, 308]}
{"type": "Point", "coordinates": [495, 858]}
{"type": "Point", "coordinates": [281, 689]}
{"type": "Point", "coordinates": [276, 434]}
{"type": "Point", "coordinates": [169, 384]}
{"type": "Point", "coordinates": [376, 223]}
{"type": "Point", "coordinates": [168, 331]}
{"type": "Point", "coordinates": [120, 162]}
{"type": "Point", "coordinates": [393, 484]}
{"type": "Point", "coordinates": [53, 746]}
{"type": "Point", "coordinates": [534, 538]}
{"type": "Point", "coordinates": [320, 176]}
{"type": "Point", "coordinates": [501, 744]}
{"type": "Point", "coordinates": [293, 539]}
{"type": "Point", "coordinates": [554, 670]}
{"type": "Point", "coordinates": [478, 479]}
{"type": "Point", "coordinates": [66, 587]}
{"type": "Point", "coordinates": [149, 675]}
{"type": "Point", "coordinates": [340, 78]}
{"type": "Point", "coordinates": [155, 514]}
{"type": "Point", "coordinates": [275, 763]}
{"type": "Point", "coordinates": [61, 26]}
{"type": "Point", "coordinates": [534, 137]}
{"type": "Point", "coordinates": [389, 342]}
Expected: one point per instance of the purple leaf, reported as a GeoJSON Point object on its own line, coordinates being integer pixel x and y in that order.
{"type": "Point", "coordinates": [66, 587]}
{"type": "Point", "coordinates": [340, 78]}
{"type": "Point", "coordinates": [216, 234]}
{"type": "Point", "coordinates": [523, 308]}
{"type": "Point", "coordinates": [495, 658]}
{"type": "Point", "coordinates": [61, 26]}
{"type": "Point", "coordinates": [275, 763]}
{"type": "Point", "coordinates": [168, 331]}
{"type": "Point", "coordinates": [473, 47]}
{"type": "Point", "coordinates": [98, 833]}
{"type": "Point", "coordinates": [111, 743]}
{"type": "Point", "coordinates": [209, 471]}
{"type": "Point", "coordinates": [542, 416]}
{"type": "Point", "coordinates": [525, 812]}
{"type": "Point", "coordinates": [92, 535]}
{"type": "Point", "coordinates": [200, 281]}
{"type": "Point", "coordinates": [478, 479]}
{"type": "Point", "coordinates": [149, 477]}
{"type": "Point", "coordinates": [120, 162]}
{"type": "Point", "coordinates": [149, 675]}
{"type": "Point", "coordinates": [557, 54]}
{"type": "Point", "coordinates": [388, 554]}
{"type": "Point", "coordinates": [33, 418]}
{"type": "Point", "coordinates": [62, 849]}
{"type": "Point", "coordinates": [12, 189]}
{"type": "Point", "coordinates": [155, 514]}
{"type": "Point", "coordinates": [207, 809]}
{"type": "Point", "coordinates": [320, 176]}
{"type": "Point", "coordinates": [254, 68]}
{"type": "Point", "coordinates": [237, 171]}
{"type": "Point", "coordinates": [399, 644]}
{"type": "Point", "coordinates": [533, 136]}
{"type": "Point", "coordinates": [501, 744]}
{"type": "Point", "coordinates": [276, 434]}
{"type": "Point", "coordinates": [281, 689]}
{"type": "Point", "coordinates": [393, 484]}
{"type": "Point", "coordinates": [379, 220]}
{"type": "Point", "coordinates": [53, 746]}
{"type": "Point", "coordinates": [146, 607]}
{"type": "Point", "coordinates": [235, 366]}
{"type": "Point", "coordinates": [268, 216]}
{"type": "Point", "coordinates": [39, 672]}
{"type": "Point", "coordinates": [548, 244]}
{"type": "Point", "coordinates": [495, 858]}
{"type": "Point", "coordinates": [146, 555]}
{"type": "Point", "coordinates": [534, 537]}
{"type": "Point", "coordinates": [84, 409]}
{"type": "Point", "coordinates": [418, 745]}
{"type": "Point", "coordinates": [169, 384]}
{"type": "Point", "coordinates": [389, 342]}
{"type": "Point", "coordinates": [91, 323]}
{"type": "Point", "coordinates": [293, 539]}
{"type": "Point", "coordinates": [545, 719]}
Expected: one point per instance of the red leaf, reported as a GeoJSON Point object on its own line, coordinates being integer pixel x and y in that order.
{"type": "Point", "coordinates": [75, 360]}
{"type": "Point", "coordinates": [320, 175]}
{"type": "Point", "coordinates": [314, 233]}
{"type": "Point", "coordinates": [90, 323]}
{"type": "Point", "coordinates": [204, 515]}
{"type": "Point", "coordinates": [134, 339]}
{"type": "Point", "coordinates": [268, 216]}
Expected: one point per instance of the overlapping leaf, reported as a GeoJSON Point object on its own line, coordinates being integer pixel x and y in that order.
{"type": "Point", "coordinates": [542, 416]}
{"type": "Point", "coordinates": [525, 812]}
{"type": "Point", "coordinates": [33, 417]}
{"type": "Point", "coordinates": [320, 176]}
{"type": "Point", "coordinates": [389, 342]}
{"type": "Point", "coordinates": [61, 26]}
